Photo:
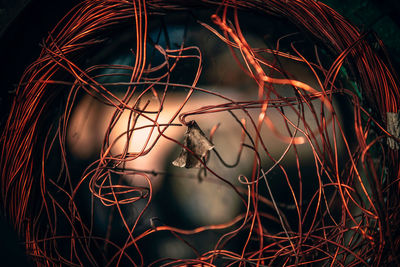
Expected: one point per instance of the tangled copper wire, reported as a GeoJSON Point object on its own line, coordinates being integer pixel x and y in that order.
{"type": "Point", "coordinates": [42, 203]}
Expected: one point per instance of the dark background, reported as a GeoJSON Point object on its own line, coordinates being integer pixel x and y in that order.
{"type": "Point", "coordinates": [25, 23]}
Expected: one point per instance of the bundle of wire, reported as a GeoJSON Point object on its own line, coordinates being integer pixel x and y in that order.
{"type": "Point", "coordinates": [349, 219]}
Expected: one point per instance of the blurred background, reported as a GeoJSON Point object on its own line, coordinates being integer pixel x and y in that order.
{"type": "Point", "coordinates": [24, 24]}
